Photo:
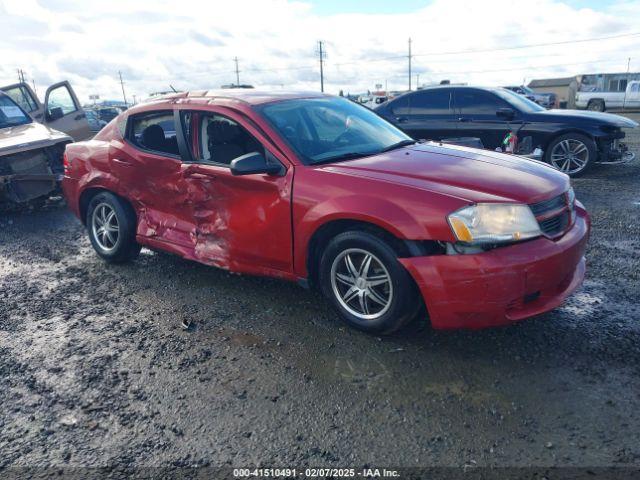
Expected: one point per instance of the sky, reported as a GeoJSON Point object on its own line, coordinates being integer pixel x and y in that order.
{"type": "Point", "coordinates": [191, 45]}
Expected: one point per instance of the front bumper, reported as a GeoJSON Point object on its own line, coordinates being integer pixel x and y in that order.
{"type": "Point", "coordinates": [503, 285]}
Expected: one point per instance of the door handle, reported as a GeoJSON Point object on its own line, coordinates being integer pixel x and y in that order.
{"type": "Point", "coordinates": [122, 162]}
{"type": "Point", "coordinates": [200, 176]}
{"type": "Point", "coordinates": [401, 119]}
{"type": "Point", "coordinates": [463, 119]}
{"type": "Point", "coordinates": [80, 116]}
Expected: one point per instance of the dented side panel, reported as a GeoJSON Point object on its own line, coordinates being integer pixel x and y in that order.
{"type": "Point", "coordinates": [199, 211]}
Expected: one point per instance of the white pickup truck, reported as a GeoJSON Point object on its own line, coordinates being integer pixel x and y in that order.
{"type": "Point", "coordinates": [601, 101]}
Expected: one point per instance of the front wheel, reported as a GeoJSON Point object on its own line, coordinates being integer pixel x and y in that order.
{"type": "Point", "coordinates": [361, 276]}
{"type": "Point", "coordinates": [572, 153]}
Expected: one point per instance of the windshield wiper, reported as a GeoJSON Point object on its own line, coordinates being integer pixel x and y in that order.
{"type": "Point", "coordinates": [343, 156]}
{"type": "Point", "coordinates": [403, 143]}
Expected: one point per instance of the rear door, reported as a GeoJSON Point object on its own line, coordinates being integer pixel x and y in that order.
{"type": "Point", "coordinates": [425, 114]}
{"type": "Point", "coordinates": [148, 167]}
{"type": "Point", "coordinates": [62, 111]}
{"type": "Point", "coordinates": [476, 111]}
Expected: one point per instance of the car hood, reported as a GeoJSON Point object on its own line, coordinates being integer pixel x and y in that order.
{"type": "Point", "coordinates": [467, 173]}
{"type": "Point", "coordinates": [29, 136]}
{"type": "Point", "coordinates": [583, 115]}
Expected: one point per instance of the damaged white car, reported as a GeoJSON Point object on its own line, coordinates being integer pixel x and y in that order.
{"type": "Point", "coordinates": [31, 155]}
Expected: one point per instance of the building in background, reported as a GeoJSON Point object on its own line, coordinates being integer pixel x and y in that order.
{"type": "Point", "coordinates": [565, 89]}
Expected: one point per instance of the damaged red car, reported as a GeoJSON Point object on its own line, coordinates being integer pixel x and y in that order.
{"type": "Point", "coordinates": [319, 190]}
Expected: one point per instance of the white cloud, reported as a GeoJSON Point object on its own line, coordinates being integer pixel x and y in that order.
{"type": "Point", "coordinates": [191, 44]}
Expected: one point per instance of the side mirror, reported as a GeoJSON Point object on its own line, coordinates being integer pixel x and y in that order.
{"type": "Point", "coordinates": [506, 113]}
{"type": "Point", "coordinates": [253, 163]}
{"type": "Point", "coordinates": [55, 113]}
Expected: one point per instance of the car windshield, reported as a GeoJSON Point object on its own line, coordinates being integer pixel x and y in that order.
{"type": "Point", "coordinates": [519, 102]}
{"type": "Point", "coordinates": [11, 114]}
{"type": "Point", "coordinates": [330, 129]}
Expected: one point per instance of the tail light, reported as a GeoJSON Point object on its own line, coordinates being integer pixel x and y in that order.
{"type": "Point", "coordinates": [66, 165]}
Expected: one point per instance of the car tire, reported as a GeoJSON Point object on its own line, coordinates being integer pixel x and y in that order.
{"type": "Point", "coordinates": [572, 153]}
{"type": "Point", "coordinates": [596, 105]}
{"type": "Point", "coordinates": [111, 223]}
{"type": "Point", "coordinates": [378, 298]}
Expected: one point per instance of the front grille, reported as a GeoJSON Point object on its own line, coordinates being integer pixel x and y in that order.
{"type": "Point", "coordinates": [557, 224]}
{"type": "Point", "coordinates": [545, 206]}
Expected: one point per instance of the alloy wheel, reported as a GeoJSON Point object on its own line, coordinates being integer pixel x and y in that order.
{"type": "Point", "coordinates": [361, 284]}
{"type": "Point", "coordinates": [104, 226]}
{"type": "Point", "coordinates": [570, 156]}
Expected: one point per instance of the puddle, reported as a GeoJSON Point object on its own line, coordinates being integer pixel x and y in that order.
{"type": "Point", "coordinates": [583, 303]}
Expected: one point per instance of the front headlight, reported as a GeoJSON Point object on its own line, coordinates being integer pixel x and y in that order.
{"type": "Point", "coordinates": [487, 223]}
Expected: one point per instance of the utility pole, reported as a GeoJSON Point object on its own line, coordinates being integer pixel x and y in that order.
{"type": "Point", "coordinates": [624, 100]}
{"type": "Point", "coordinates": [409, 63]}
{"type": "Point", "coordinates": [20, 75]}
{"type": "Point", "coordinates": [237, 72]}
{"type": "Point", "coordinates": [122, 85]}
{"type": "Point", "coordinates": [321, 58]}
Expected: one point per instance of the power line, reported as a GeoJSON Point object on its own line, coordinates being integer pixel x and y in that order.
{"type": "Point", "coordinates": [515, 47]}
{"type": "Point", "coordinates": [523, 68]}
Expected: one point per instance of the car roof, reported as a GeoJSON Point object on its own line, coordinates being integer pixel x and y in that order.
{"type": "Point", "coordinates": [250, 96]}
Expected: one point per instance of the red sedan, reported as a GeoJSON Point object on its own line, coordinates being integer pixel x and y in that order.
{"type": "Point", "coordinates": [319, 190]}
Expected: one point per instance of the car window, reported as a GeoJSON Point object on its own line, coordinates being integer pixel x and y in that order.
{"type": "Point", "coordinates": [61, 98]}
{"type": "Point", "coordinates": [217, 139]}
{"type": "Point", "coordinates": [11, 114]}
{"type": "Point", "coordinates": [430, 102]}
{"type": "Point", "coordinates": [516, 101]}
{"type": "Point", "coordinates": [400, 106]}
{"type": "Point", "coordinates": [478, 102]}
{"type": "Point", "coordinates": [154, 131]}
{"type": "Point", "coordinates": [635, 87]}
{"type": "Point", "coordinates": [22, 97]}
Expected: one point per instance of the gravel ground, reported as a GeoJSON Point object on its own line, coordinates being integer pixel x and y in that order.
{"type": "Point", "coordinates": [96, 369]}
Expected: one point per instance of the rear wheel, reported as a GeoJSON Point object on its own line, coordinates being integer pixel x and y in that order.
{"type": "Point", "coordinates": [112, 228]}
{"type": "Point", "coordinates": [596, 105]}
{"type": "Point", "coordinates": [361, 276]}
{"type": "Point", "coordinates": [572, 153]}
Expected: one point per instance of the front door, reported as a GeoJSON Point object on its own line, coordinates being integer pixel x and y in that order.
{"type": "Point", "coordinates": [476, 112]}
{"type": "Point", "coordinates": [242, 223]}
{"type": "Point", "coordinates": [633, 95]}
{"type": "Point", "coordinates": [62, 111]}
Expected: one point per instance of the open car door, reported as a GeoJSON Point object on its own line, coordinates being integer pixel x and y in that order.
{"type": "Point", "coordinates": [62, 111]}
{"type": "Point", "coordinates": [23, 95]}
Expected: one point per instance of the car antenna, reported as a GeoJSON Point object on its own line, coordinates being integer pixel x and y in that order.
{"type": "Point", "coordinates": [174, 90]}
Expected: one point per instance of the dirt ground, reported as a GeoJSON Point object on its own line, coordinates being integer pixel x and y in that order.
{"type": "Point", "coordinates": [96, 369]}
